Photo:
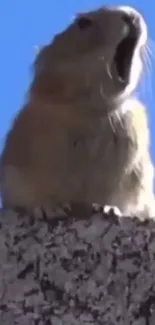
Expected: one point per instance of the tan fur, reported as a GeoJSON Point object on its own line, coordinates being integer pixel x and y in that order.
{"type": "Point", "coordinates": [80, 137]}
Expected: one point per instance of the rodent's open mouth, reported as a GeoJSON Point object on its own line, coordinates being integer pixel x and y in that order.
{"type": "Point", "coordinates": [124, 54]}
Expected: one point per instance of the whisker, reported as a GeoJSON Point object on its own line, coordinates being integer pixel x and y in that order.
{"type": "Point", "coordinates": [151, 53]}
{"type": "Point", "coordinates": [111, 124]}
{"type": "Point", "coordinates": [148, 56]}
{"type": "Point", "coordinates": [142, 84]}
{"type": "Point", "coordinates": [151, 49]}
{"type": "Point", "coordinates": [108, 71]}
{"type": "Point", "coordinates": [118, 116]}
{"type": "Point", "coordinates": [146, 80]}
{"type": "Point", "coordinates": [148, 70]}
{"type": "Point", "coordinates": [148, 65]}
{"type": "Point", "coordinates": [151, 44]}
{"type": "Point", "coordinates": [150, 59]}
{"type": "Point", "coordinates": [102, 92]}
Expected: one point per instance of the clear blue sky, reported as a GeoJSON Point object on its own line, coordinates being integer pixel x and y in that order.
{"type": "Point", "coordinates": [25, 24]}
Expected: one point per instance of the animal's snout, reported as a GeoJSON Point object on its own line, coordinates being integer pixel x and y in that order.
{"type": "Point", "coordinates": [131, 20]}
{"type": "Point", "coordinates": [134, 22]}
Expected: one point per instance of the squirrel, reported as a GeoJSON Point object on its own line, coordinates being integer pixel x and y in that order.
{"type": "Point", "coordinates": [82, 136]}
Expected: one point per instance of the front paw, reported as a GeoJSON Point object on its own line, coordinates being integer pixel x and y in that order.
{"type": "Point", "coordinates": [112, 209]}
{"type": "Point", "coordinates": [107, 209]}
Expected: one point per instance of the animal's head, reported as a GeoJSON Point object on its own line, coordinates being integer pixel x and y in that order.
{"type": "Point", "coordinates": [98, 56]}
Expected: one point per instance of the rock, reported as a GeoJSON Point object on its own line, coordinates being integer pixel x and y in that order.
{"type": "Point", "coordinates": [99, 271]}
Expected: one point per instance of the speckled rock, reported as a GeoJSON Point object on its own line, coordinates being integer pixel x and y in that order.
{"type": "Point", "coordinates": [76, 272]}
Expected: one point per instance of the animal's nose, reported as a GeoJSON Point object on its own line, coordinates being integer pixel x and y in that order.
{"type": "Point", "coordinates": [132, 20]}
{"type": "Point", "coordinates": [130, 12]}
{"type": "Point", "coordinates": [135, 21]}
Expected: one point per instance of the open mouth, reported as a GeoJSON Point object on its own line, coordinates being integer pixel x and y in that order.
{"type": "Point", "coordinates": [124, 54]}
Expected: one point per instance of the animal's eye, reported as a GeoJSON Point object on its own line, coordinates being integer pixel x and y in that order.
{"type": "Point", "coordinates": [84, 22]}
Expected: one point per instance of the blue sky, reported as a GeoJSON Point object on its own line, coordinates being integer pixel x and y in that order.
{"type": "Point", "coordinates": [25, 24]}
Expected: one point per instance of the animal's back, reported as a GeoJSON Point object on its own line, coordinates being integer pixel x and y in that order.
{"type": "Point", "coordinates": [33, 153]}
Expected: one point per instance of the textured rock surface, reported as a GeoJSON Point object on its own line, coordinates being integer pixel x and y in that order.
{"type": "Point", "coordinates": [100, 271]}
